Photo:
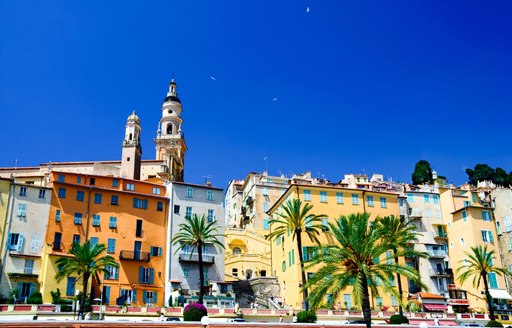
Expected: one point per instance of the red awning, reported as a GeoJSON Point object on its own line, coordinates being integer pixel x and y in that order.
{"type": "Point", "coordinates": [435, 307]}
{"type": "Point", "coordinates": [432, 323]}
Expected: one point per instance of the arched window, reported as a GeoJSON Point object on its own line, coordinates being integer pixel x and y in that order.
{"type": "Point", "coordinates": [237, 251]}
{"type": "Point", "coordinates": [169, 129]}
{"type": "Point", "coordinates": [130, 136]}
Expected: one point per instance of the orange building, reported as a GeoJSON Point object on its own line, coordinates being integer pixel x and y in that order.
{"type": "Point", "coordinates": [128, 216]}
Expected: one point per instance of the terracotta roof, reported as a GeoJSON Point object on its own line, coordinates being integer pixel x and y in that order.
{"type": "Point", "coordinates": [428, 295]}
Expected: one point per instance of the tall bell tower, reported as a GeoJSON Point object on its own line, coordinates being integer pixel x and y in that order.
{"type": "Point", "coordinates": [170, 141]}
{"type": "Point", "coordinates": [132, 150]}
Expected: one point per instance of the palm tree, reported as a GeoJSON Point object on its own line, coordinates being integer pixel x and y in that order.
{"type": "Point", "coordinates": [87, 261]}
{"type": "Point", "coordinates": [296, 219]}
{"type": "Point", "coordinates": [352, 259]}
{"type": "Point", "coordinates": [479, 264]}
{"type": "Point", "coordinates": [402, 233]}
{"type": "Point", "coordinates": [196, 232]}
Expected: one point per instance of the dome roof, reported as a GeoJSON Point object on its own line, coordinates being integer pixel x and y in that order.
{"type": "Point", "coordinates": [172, 98]}
{"type": "Point", "coordinates": [133, 118]}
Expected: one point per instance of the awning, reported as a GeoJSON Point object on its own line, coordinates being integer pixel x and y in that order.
{"type": "Point", "coordinates": [435, 307]}
{"type": "Point", "coordinates": [500, 294]}
{"type": "Point", "coordinates": [431, 322]}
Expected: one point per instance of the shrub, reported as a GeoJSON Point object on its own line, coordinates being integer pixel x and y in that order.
{"type": "Point", "coordinates": [306, 316]}
{"type": "Point", "coordinates": [35, 298]}
{"type": "Point", "coordinates": [397, 319]}
{"type": "Point", "coordinates": [494, 323]}
{"type": "Point", "coordinates": [194, 312]}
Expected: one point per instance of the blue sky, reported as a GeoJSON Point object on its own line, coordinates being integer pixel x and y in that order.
{"type": "Point", "coordinates": [361, 86]}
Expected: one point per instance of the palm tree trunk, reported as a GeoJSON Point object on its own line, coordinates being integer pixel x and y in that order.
{"type": "Point", "coordinates": [84, 292]}
{"type": "Point", "coordinates": [400, 291]}
{"type": "Point", "coordinates": [305, 303]}
{"type": "Point", "coordinates": [488, 297]}
{"type": "Point", "coordinates": [201, 272]}
{"type": "Point", "coordinates": [365, 302]}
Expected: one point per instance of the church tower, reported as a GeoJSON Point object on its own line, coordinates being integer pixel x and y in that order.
{"type": "Point", "coordinates": [170, 141]}
{"type": "Point", "coordinates": [132, 150]}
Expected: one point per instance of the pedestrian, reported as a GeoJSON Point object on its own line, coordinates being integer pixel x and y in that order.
{"type": "Point", "coordinates": [281, 318]}
{"type": "Point", "coordinates": [294, 320]}
{"type": "Point", "coordinates": [88, 316]}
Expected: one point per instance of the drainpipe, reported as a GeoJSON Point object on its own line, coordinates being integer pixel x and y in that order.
{"type": "Point", "coordinates": [87, 211]}
{"type": "Point", "coordinates": [168, 262]}
{"type": "Point", "coordinates": [7, 224]}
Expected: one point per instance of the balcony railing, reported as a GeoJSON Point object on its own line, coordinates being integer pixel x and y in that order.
{"type": "Point", "coordinates": [187, 257]}
{"type": "Point", "coordinates": [440, 234]}
{"type": "Point", "coordinates": [135, 256]}
{"type": "Point", "coordinates": [440, 254]}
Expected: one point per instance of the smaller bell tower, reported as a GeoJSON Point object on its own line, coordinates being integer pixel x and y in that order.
{"type": "Point", "coordinates": [170, 141]}
{"type": "Point", "coordinates": [132, 150]}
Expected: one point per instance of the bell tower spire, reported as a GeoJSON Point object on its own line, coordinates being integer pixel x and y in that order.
{"type": "Point", "coordinates": [132, 150]}
{"type": "Point", "coordinates": [170, 141]}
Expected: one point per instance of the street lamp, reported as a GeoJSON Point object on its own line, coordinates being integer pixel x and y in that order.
{"type": "Point", "coordinates": [205, 321]}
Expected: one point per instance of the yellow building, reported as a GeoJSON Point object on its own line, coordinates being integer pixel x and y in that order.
{"type": "Point", "coordinates": [332, 201]}
{"type": "Point", "coordinates": [470, 223]}
{"type": "Point", "coordinates": [5, 186]}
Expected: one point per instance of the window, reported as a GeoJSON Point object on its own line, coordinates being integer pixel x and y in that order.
{"type": "Point", "coordinates": [78, 218]}
{"type": "Point", "coordinates": [57, 239]}
{"type": "Point", "coordinates": [29, 266]}
{"type": "Point", "coordinates": [462, 242]}
{"type": "Point", "coordinates": [176, 209]}
{"type": "Point", "coordinates": [347, 300]}
{"type": "Point", "coordinates": [130, 295]}
{"type": "Point", "coordinates": [394, 302]}
{"type": "Point", "coordinates": [34, 245]}
{"type": "Point", "coordinates": [283, 266]}
{"type": "Point", "coordinates": [435, 198]}
{"type": "Point", "coordinates": [185, 272]}
{"type": "Point", "coordinates": [42, 193]}
{"type": "Point", "coordinates": [95, 220]}
{"type": "Point", "coordinates": [138, 229]}
{"type": "Point", "coordinates": [93, 241]}
{"type": "Point", "coordinates": [112, 224]}
{"type": "Point", "coordinates": [92, 181]}
{"type": "Point", "coordinates": [22, 210]}
{"type": "Point", "coordinates": [486, 216]}
{"type": "Point", "coordinates": [190, 192]}
{"type": "Point", "coordinates": [113, 272]}
{"type": "Point", "coordinates": [339, 198]}
{"type": "Point", "coordinates": [130, 186]}
{"type": "Point", "coordinates": [78, 179]}
{"type": "Point", "coordinates": [474, 197]}
{"type": "Point", "coordinates": [188, 212]}
{"type": "Point", "coordinates": [508, 224]}
{"type": "Point", "coordinates": [62, 192]}
{"type": "Point", "coordinates": [426, 198]}
{"type": "Point", "coordinates": [146, 275]}
{"type": "Point", "coordinates": [389, 257]}
{"type": "Point", "coordinates": [509, 245]}
{"type": "Point", "coordinates": [323, 196]}
{"type": "Point", "coordinates": [265, 207]}
{"type": "Point", "coordinates": [291, 257]}
{"type": "Point", "coordinates": [355, 199]}
{"type": "Point", "coordinates": [265, 224]}
{"type": "Point", "coordinates": [211, 216]}
{"type": "Point", "coordinates": [467, 203]}
{"type": "Point", "coordinates": [156, 191]}
{"type": "Point", "coordinates": [209, 194]}
{"type": "Point", "coordinates": [464, 216]}
{"type": "Point", "coordinates": [14, 241]}
{"type": "Point", "coordinates": [493, 282]}
{"type": "Point", "coordinates": [150, 296]}
{"type": "Point", "coordinates": [307, 195]}
{"type": "Point", "coordinates": [70, 286]}
{"type": "Point", "coordinates": [265, 191]}
{"type": "Point", "coordinates": [156, 251]}
{"type": "Point", "coordinates": [487, 236]}
{"type": "Point", "coordinates": [325, 224]}
{"type": "Point", "coordinates": [369, 199]}
{"type": "Point", "coordinates": [80, 195]}
{"type": "Point", "coordinates": [410, 198]}
{"type": "Point", "coordinates": [115, 183]}
{"type": "Point", "coordinates": [159, 206]}
{"type": "Point", "coordinates": [76, 239]}
{"type": "Point", "coordinates": [383, 202]}
{"type": "Point", "coordinates": [428, 213]}
{"type": "Point", "coordinates": [498, 228]}
{"type": "Point", "coordinates": [111, 245]}
{"type": "Point", "coordinates": [114, 200]}
{"type": "Point", "coordinates": [98, 198]}
{"type": "Point", "coordinates": [61, 178]}
{"type": "Point", "coordinates": [438, 214]}
{"type": "Point", "coordinates": [140, 203]}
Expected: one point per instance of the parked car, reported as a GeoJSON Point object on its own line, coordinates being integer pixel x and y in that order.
{"type": "Point", "coordinates": [237, 320]}
{"type": "Point", "coordinates": [173, 319]}
{"type": "Point", "coordinates": [357, 322]}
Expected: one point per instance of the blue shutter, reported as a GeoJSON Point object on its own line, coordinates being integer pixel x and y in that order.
{"type": "Point", "coordinates": [155, 297]}
{"type": "Point", "coordinates": [151, 275]}
{"type": "Point", "coordinates": [145, 298]}
{"type": "Point", "coordinates": [135, 202]}
{"type": "Point", "coordinates": [107, 295]}
{"type": "Point", "coordinates": [141, 273]}
{"type": "Point", "coordinates": [144, 203]}
{"type": "Point", "coordinates": [32, 289]}
{"type": "Point", "coordinates": [134, 297]}
{"type": "Point", "coordinates": [159, 251]}
{"type": "Point", "coordinates": [20, 243]}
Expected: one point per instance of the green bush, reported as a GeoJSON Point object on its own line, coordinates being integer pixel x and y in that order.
{"type": "Point", "coordinates": [194, 312]}
{"type": "Point", "coordinates": [35, 298]}
{"type": "Point", "coordinates": [306, 316]}
{"type": "Point", "coordinates": [494, 323]}
{"type": "Point", "coordinates": [397, 319]}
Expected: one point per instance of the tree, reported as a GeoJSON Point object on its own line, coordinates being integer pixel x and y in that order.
{"type": "Point", "coordinates": [353, 259]}
{"type": "Point", "coordinates": [296, 218]}
{"type": "Point", "coordinates": [479, 264]}
{"type": "Point", "coordinates": [197, 232]}
{"type": "Point", "coordinates": [402, 234]}
{"type": "Point", "coordinates": [482, 172]}
{"type": "Point", "coordinates": [422, 173]}
{"type": "Point", "coordinates": [86, 261]}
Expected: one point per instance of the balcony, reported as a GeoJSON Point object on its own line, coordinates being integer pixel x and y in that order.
{"type": "Point", "coordinates": [437, 253]}
{"type": "Point", "coordinates": [440, 234]}
{"type": "Point", "coordinates": [188, 257]}
{"type": "Point", "coordinates": [415, 213]}
{"type": "Point", "coordinates": [441, 273]}
{"type": "Point", "coordinates": [135, 256]}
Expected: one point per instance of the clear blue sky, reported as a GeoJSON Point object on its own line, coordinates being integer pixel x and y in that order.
{"type": "Point", "coordinates": [361, 86]}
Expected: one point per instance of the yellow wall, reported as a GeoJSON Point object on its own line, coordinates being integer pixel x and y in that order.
{"type": "Point", "coordinates": [4, 199]}
{"type": "Point", "coordinates": [290, 278]}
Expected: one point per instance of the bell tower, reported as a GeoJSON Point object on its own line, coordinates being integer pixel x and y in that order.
{"type": "Point", "coordinates": [170, 141]}
{"type": "Point", "coordinates": [132, 150]}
